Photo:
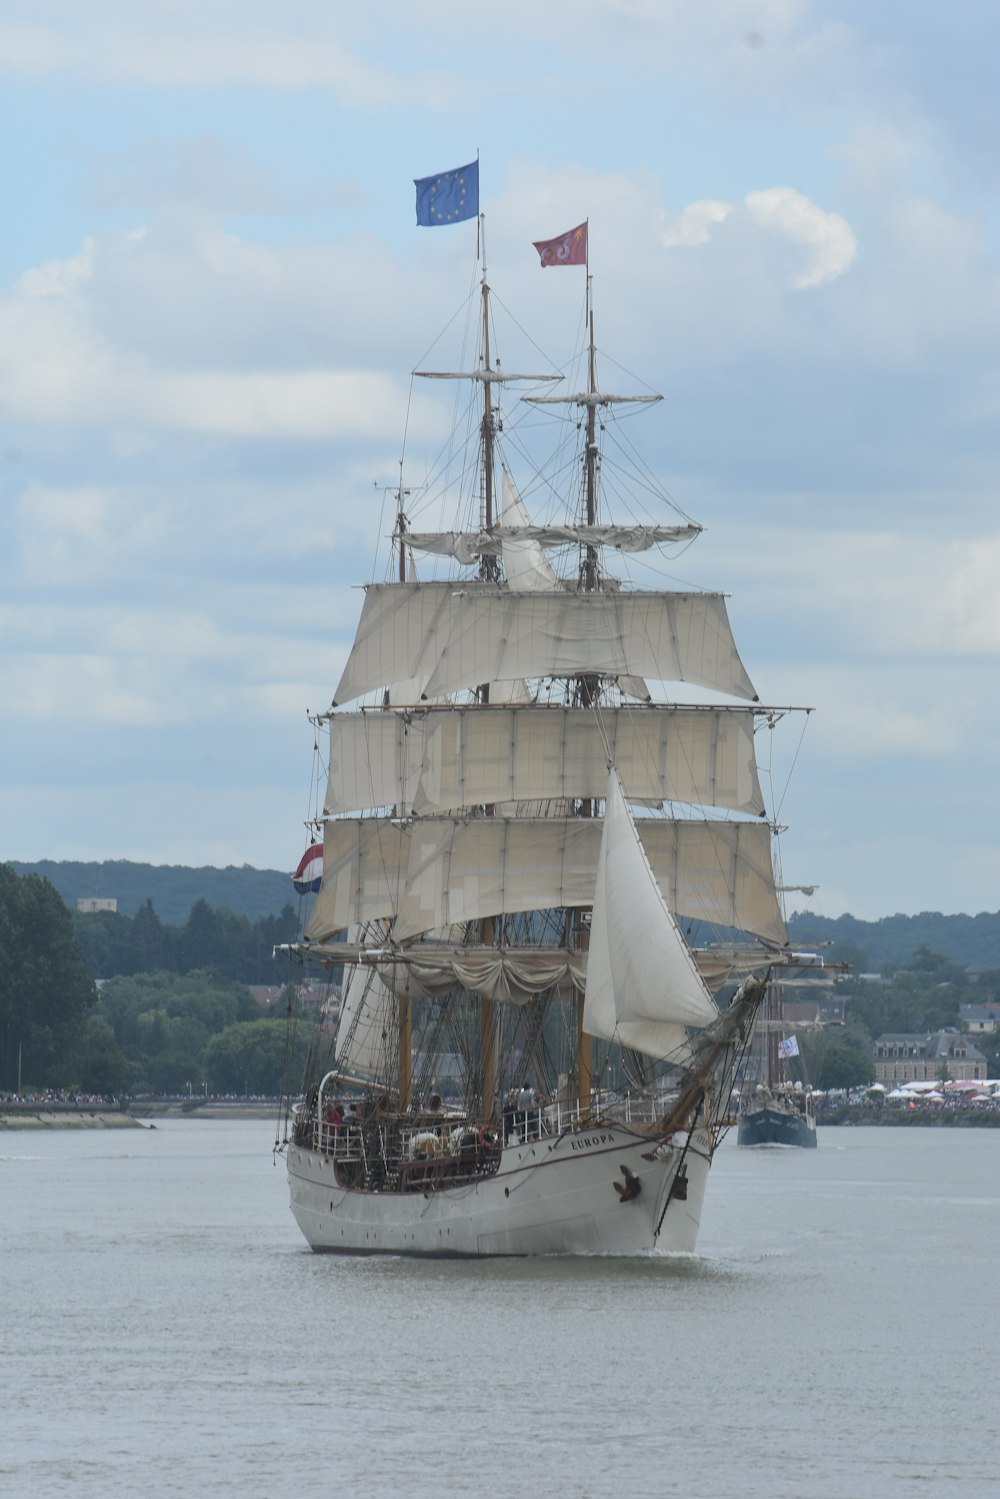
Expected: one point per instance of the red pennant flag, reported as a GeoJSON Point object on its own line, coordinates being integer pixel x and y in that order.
{"type": "Point", "coordinates": [567, 249]}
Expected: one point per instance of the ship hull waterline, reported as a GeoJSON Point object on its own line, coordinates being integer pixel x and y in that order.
{"type": "Point", "coordinates": [553, 1196]}
{"type": "Point", "coordinates": [774, 1127]}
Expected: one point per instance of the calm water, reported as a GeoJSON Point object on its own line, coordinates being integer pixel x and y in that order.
{"type": "Point", "coordinates": [167, 1332]}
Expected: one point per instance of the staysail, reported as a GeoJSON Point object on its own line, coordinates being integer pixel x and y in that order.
{"type": "Point", "coordinates": [643, 987]}
{"type": "Point", "coordinates": [525, 563]}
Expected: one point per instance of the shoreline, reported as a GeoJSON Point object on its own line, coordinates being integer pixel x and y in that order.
{"type": "Point", "coordinates": [144, 1115]}
{"type": "Point", "coordinates": [42, 1116]}
{"type": "Point", "coordinates": [133, 1116]}
{"type": "Point", "coordinates": [923, 1117]}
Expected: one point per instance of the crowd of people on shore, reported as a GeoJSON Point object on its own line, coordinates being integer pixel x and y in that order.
{"type": "Point", "coordinates": [982, 1097]}
{"type": "Point", "coordinates": [59, 1098]}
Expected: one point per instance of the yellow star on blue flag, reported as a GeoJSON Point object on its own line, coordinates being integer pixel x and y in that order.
{"type": "Point", "coordinates": [448, 197]}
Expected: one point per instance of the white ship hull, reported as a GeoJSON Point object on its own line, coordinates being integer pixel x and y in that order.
{"type": "Point", "coordinates": [555, 1195]}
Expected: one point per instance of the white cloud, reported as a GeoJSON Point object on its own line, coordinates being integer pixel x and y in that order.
{"type": "Point", "coordinates": [886, 596]}
{"type": "Point", "coordinates": [77, 534]}
{"type": "Point", "coordinates": [216, 48]}
{"type": "Point", "coordinates": [694, 225]}
{"type": "Point", "coordinates": [68, 356]}
{"type": "Point", "coordinates": [79, 689]}
{"type": "Point", "coordinates": [783, 213]}
{"type": "Point", "coordinates": [791, 215]}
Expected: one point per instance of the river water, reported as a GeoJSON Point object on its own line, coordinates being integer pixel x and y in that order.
{"type": "Point", "coordinates": [167, 1332]}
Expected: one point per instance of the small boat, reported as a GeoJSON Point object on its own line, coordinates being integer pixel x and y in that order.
{"type": "Point", "coordinates": [776, 1105]}
{"type": "Point", "coordinates": [525, 1054]}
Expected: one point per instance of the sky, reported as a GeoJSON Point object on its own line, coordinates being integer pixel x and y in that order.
{"type": "Point", "coordinates": [213, 291]}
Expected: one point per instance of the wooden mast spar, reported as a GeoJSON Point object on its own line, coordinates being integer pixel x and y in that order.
{"type": "Point", "coordinates": [405, 1014]}
{"type": "Point", "coordinates": [489, 571]}
{"type": "Point", "coordinates": [588, 686]}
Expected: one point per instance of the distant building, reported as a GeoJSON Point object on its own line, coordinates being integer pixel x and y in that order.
{"type": "Point", "coordinates": [266, 994]}
{"type": "Point", "coordinates": [310, 997]}
{"type": "Point", "coordinates": [981, 1020]}
{"type": "Point", "coordinates": [809, 997]}
{"type": "Point", "coordinates": [909, 1058]}
{"type": "Point", "coordinates": [91, 903]}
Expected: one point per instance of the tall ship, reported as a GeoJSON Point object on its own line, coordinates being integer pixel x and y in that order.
{"type": "Point", "coordinates": [775, 1100]}
{"type": "Point", "coordinates": [548, 906]}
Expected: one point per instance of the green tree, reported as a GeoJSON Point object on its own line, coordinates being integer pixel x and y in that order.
{"type": "Point", "coordinates": [925, 960]}
{"type": "Point", "coordinates": [151, 944]}
{"type": "Point", "coordinates": [838, 1058]}
{"type": "Point", "coordinates": [199, 946]}
{"type": "Point", "coordinates": [162, 1023]}
{"type": "Point", "coordinates": [989, 1045]}
{"type": "Point", "coordinates": [95, 1064]}
{"type": "Point", "coordinates": [45, 989]}
{"type": "Point", "coordinates": [854, 958]}
{"type": "Point", "coordinates": [913, 999]}
{"type": "Point", "coordinates": [254, 1057]}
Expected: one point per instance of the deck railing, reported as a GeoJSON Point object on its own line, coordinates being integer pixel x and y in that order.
{"type": "Point", "coordinates": [456, 1136]}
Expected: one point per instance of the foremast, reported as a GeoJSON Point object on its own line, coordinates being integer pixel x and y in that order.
{"type": "Point", "coordinates": [485, 1085]}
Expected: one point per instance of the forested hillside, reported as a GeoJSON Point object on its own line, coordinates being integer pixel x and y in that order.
{"type": "Point", "coordinates": [225, 942]}
{"type": "Point", "coordinates": [172, 1009]}
{"type": "Point", "coordinates": [973, 941]}
{"type": "Point", "coordinates": [255, 893]}
{"type": "Point", "coordinates": [172, 888]}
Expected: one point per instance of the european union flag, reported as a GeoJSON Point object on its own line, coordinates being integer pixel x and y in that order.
{"type": "Point", "coordinates": [448, 197]}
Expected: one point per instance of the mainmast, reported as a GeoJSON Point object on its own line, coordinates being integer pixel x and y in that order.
{"type": "Point", "coordinates": [405, 1009]}
{"type": "Point", "coordinates": [488, 569]}
{"type": "Point", "coordinates": [589, 685]}
{"type": "Point", "coordinates": [488, 432]}
{"type": "Point", "coordinates": [590, 462]}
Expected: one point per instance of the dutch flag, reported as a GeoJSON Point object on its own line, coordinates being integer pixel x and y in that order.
{"type": "Point", "coordinates": [307, 877]}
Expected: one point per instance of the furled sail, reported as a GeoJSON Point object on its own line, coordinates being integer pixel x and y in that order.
{"type": "Point", "coordinates": [438, 760]}
{"type": "Point", "coordinates": [592, 398]}
{"type": "Point", "coordinates": [437, 871]}
{"type": "Point", "coordinates": [468, 546]}
{"type": "Point", "coordinates": [643, 987]}
{"type": "Point", "coordinates": [451, 639]}
{"type": "Point", "coordinates": [508, 975]}
{"type": "Point", "coordinates": [512, 975]}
